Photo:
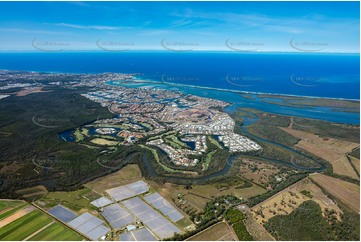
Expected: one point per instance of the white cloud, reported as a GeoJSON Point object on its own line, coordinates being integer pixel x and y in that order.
{"type": "Point", "coordinates": [94, 27]}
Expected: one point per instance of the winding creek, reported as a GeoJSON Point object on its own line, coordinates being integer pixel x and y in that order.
{"type": "Point", "coordinates": [248, 121]}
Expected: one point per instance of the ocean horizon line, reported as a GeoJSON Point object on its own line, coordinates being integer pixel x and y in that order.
{"type": "Point", "coordinates": [183, 51]}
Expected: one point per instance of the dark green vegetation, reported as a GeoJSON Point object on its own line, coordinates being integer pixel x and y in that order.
{"type": "Point", "coordinates": [267, 128]}
{"type": "Point", "coordinates": [235, 217]}
{"type": "Point", "coordinates": [57, 110]}
{"type": "Point", "coordinates": [307, 223]}
{"type": "Point", "coordinates": [26, 143]}
{"type": "Point", "coordinates": [307, 193]}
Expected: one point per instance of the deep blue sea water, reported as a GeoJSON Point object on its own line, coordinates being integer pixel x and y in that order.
{"type": "Point", "coordinates": [321, 75]}
{"type": "Point", "coordinates": [305, 74]}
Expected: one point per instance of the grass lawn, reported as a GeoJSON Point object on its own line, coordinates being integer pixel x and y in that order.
{"type": "Point", "coordinates": [57, 232]}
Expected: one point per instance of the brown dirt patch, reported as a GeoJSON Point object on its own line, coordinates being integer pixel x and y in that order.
{"type": "Point", "coordinates": [28, 91]}
{"type": "Point", "coordinates": [16, 215]}
{"type": "Point", "coordinates": [33, 192]}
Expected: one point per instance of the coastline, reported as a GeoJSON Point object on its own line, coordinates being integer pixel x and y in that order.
{"type": "Point", "coordinates": [152, 81]}
{"type": "Point", "coordinates": [238, 91]}
{"type": "Point", "coordinates": [236, 99]}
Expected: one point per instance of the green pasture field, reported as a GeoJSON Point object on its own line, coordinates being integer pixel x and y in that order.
{"type": "Point", "coordinates": [57, 232]}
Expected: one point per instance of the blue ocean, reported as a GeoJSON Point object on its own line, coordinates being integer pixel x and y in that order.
{"type": "Point", "coordinates": [320, 75]}
{"type": "Point", "coordinates": [300, 74]}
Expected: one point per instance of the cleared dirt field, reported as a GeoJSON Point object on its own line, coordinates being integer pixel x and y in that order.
{"type": "Point", "coordinates": [126, 175]}
{"type": "Point", "coordinates": [28, 91]}
{"type": "Point", "coordinates": [332, 150]}
{"type": "Point", "coordinates": [342, 166]}
{"type": "Point", "coordinates": [348, 193]}
{"type": "Point", "coordinates": [290, 198]}
{"type": "Point", "coordinates": [218, 232]}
